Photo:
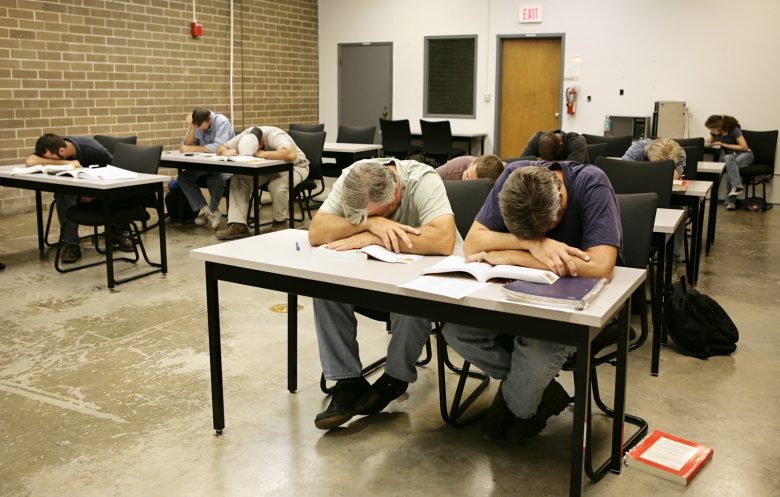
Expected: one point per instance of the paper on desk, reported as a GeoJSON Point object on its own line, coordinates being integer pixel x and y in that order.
{"type": "Point", "coordinates": [448, 286]}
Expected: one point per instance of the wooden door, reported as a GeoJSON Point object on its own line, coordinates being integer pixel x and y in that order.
{"type": "Point", "coordinates": [530, 91]}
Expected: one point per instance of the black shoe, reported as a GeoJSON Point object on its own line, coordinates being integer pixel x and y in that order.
{"type": "Point", "coordinates": [554, 401]}
{"type": "Point", "coordinates": [498, 418]}
{"type": "Point", "coordinates": [384, 390]}
{"type": "Point", "coordinates": [123, 242]}
{"type": "Point", "coordinates": [70, 254]}
{"type": "Point", "coordinates": [344, 404]}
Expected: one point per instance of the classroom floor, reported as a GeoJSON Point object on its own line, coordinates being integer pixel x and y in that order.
{"type": "Point", "coordinates": [108, 393]}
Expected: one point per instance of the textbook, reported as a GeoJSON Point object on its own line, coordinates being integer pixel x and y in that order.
{"type": "Point", "coordinates": [49, 169]}
{"type": "Point", "coordinates": [103, 173]}
{"type": "Point", "coordinates": [672, 458]}
{"type": "Point", "coordinates": [567, 293]}
{"type": "Point", "coordinates": [375, 251]}
{"type": "Point", "coordinates": [483, 271]}
{"type": "Point", "coordinates": [679, 185]}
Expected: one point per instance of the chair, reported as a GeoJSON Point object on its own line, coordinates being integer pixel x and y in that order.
{"type": "Point", "coordinates": [693, 155]}
{"type": "Point", "coordinates": [123, 211]}
{"type": "Point", "coordinates": [311, 144]}
{"type": "Point", "coordinates": [509, 160]}
{"type": "Point", "coordinates": [692, 142]}
{"type": "Point", "coordinates": [596, 150]}
{"type": "Point", "coordinates": [308, 128]}
{"type": "Point", "coordinates": [397, 139]}
{"type": "Point", "coordinates": [437, 142]}
{"type": "Point", "coordinates": [629, 176]}
{"type": "Point", "coordinates": [349, 134]}
{"type": "Point", "coordinates": [763, 144]}
{"type": "Point", "coordinates": [637, 215]}
{"type": "Point", "coordinates": [616, 145]}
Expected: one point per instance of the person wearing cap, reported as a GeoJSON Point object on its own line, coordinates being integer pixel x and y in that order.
{"type": "Point", "coordinates": [266, 142]}
{"type": "Point", "coordinates": [205, 133]}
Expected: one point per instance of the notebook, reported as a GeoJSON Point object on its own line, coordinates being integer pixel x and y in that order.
{"type": "Point", "coordinates": [567, 293]}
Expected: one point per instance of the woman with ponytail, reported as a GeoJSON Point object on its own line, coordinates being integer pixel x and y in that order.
{"type": "Point", "coordinates": [725, 131]}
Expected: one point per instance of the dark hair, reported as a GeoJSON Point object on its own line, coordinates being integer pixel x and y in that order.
{"type": "Point", "coordinates": [724, 122]}
{"type": "Point", "coordinates": [49, 142]}
{"type": "Point", "coordinates": [200, 115]}
{"type": "Point", "coordinates": [549, 146]}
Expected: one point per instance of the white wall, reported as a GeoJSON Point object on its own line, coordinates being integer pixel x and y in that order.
{"type": "Point", "coordinates": [719, 56]}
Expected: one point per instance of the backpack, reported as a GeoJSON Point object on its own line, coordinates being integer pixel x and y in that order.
{"type": "Point", "coordinates": [176, 204]}
{"type": "Point", "coordinates": [697, 324]}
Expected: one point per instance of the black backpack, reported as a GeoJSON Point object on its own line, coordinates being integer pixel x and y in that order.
{"type": "Point", "coordinates": [697, 324]}
{"type": "Point", "coordinates": [176, 204]}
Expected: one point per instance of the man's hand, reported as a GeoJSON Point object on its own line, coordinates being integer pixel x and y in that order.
{"type": "Point", "coordinates": [391, 234]}
{"type": "Point", "coordinates": [557, 256]}
{"type": "Point", "coordinates": [188, 119]}
{"type": "Point", "coordinates": [494, 257]}
{"type": "Point", "coordinates": [230, 152]}
{"type": "Point", "coordinates": [357, 241]}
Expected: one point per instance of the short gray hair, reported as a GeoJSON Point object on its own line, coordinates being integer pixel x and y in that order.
{"type": "Point", "coordinates": [530, 202]}
{"type": "Point", "coordinates": [366, 181]}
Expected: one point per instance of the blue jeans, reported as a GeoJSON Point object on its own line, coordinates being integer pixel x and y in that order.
{"type": "Point", "coordinates": [339, 352]}
{"type": "Point", "coordinates": [188, 180]}
{"type": "Point", "coordinates": [735, 162]}
{"type": "Point", "coordinates": [526, 369]}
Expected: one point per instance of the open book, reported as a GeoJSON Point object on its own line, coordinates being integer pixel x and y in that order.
{"type": "Point", "coordinates": [103, 173]}
{"type": "Point", "coordinates": [483, 271]}
{"type": "Point", "coordinates": [48, 169]}
{"type": "Point", "coordinates": [672, 458]}
{"type": "Point", "coordinates": [375, 251]}
{"type": "Point", "coordinates": [565, 293]}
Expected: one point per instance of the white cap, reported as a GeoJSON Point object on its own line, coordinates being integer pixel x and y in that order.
{"type": "Point", "coordinates": [248, 144]}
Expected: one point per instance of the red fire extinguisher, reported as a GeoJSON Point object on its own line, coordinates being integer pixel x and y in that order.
{"type": "Point", "coordinates": [571, 99]}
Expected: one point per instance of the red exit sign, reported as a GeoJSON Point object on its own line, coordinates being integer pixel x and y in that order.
{"type": "Point", "coordinates": [529, 14]}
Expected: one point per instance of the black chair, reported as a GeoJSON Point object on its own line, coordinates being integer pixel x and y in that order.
{"type": "Point", "coordinates": [397, 139]}
{"type": "Point", "coordinates": [124, 211]}
{"type": "Point", "coordinates": [437, 142]}
{"type": "Point", "coordinates": [692, 142]}
{"type": "Point", "coordinates": [693, 155]}
{"type": "Point", "coordinates": [763, 144]}
{"type": "Point", "coordinates": [311, 145]}
{"type": "Point", "coordinates": [616, 145]}
{"type": "Point", "coordinates": [637, 216]}
{"type": "Point", "coordinates": [629, 176]}
{"type": "Point", "coordinates": [308, 128]}
{"type": "Point", "coordinates": [596, 150]}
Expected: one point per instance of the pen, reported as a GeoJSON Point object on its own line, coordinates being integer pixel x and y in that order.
{"type": "Point", "coordinates": [297, 247]}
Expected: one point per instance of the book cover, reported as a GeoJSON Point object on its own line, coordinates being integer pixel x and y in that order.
{"type": "Point", "coordinates": [564, 292]}
{"type": "Point", "coordinates": [670, 457]}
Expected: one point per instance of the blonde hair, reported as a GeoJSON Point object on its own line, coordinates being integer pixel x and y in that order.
{"type": "Point", "coordinates": [663, 149]}
{"type": "Point", "coordinates": [488, 166]}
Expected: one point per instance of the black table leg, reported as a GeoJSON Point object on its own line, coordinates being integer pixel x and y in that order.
{"type": "Point", "coordinates": [256, 198]}
{"type": "Point", "coordinates": [581, 400]}
{"type": "Point", "coordinates": [657, 304]}
{"type": "Point", "coordinates": [39, 219]}
{"type": "Point", "coordinates": [292, 342]}
{"type": "Point", "coordinates": [618, 419]}
{"type": "Point", "coordinates": [699, 223]}
{"type": "Point", "coordinates": [290, 199]}
{"type": "Point", "coordinates": [713, 212]}
{"type": "Point", "coordinates": [161, 223]}
{"type": "Point", "coordinates": [215, 349]}
{"type": "Point", "coordinates": [108, 231]}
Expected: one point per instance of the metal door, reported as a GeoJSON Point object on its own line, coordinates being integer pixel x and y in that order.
{"type": "Point", "coordinates": [365, 84]}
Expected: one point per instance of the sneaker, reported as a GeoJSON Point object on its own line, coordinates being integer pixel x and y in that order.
{"type": "Point", "coordinates": [554, 401]}
{"type": "Point", "coordinates": [70, 254]}
{"type": "Point", "coordinates": [498, 418]}
{"type": "Point", "coordinates": [736, 190]}
{"type": "Point", "coordinates": [203, 216]}
{"type": "Point", "coordinates": [123, 242]}
{"type": "Point", "coordinates": [215, 217]}
{"type": "Point", "coordinates": [347, 397]}
{"type": "Point", "coordinates": [384, 390]}
{"type": "Point", "coordinates": [730, 205]}
{"type": "Point", "coordinates": [234, 231]}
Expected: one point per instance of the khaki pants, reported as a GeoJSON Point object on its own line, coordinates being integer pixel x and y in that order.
{"type": "Point", "coordinates": [278, 187]}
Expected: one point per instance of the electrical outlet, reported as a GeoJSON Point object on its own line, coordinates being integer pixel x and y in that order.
{"type": "Point", "coordinates": [621, 92]}
{"type": "Point", "coordinates": [486, 96]}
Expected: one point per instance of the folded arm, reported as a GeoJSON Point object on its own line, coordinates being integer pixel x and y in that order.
{"type": "Point", "coordinates": [285, 153]}
{"type": "Point", "coordinates": [35, 160]}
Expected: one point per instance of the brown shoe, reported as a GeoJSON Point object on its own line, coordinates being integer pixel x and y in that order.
{"type": "Point", "coordinates": [279, 225]}
{"type": "Point", "coordinates": [234, 231]}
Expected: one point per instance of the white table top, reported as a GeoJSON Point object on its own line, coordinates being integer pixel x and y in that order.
{"type": "Point", "coordinates": [276, 252]}
{"type": "Point", "coordinates": [97, 184]}
{"type": "Point", "coordinates": [696, 188]}
{"type": "Point", "coordinates": [710, 167]}
{"type": "Point", "coordinates": [201, 158]}
{"type": "Point", "coordinates": [352, 148]}
{"type": "Point", "coordinates": [667, 220]}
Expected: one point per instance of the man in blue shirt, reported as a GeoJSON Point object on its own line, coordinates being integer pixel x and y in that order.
{"type": "Point", "coordinates": [206, 132]}
{"type": "Point", "coordinates": [558, 216]}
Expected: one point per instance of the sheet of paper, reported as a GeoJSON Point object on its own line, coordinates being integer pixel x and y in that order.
{"type": "Point", "coordinates": [383, 254]}
{"type": "Point", "coordinates": [669, 453]}
{"type": "Point", "coordinates": [455, 288]}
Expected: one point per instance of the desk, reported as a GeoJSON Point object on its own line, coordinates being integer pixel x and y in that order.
{"type": "Point", "coordinates": [216, 164]}
{"type": "Point", "coordinates": [348, 153]}
{"type": "Point", "coordinates": [104, 190]}
{"type": "Point", "coordinates": [271, 261]}
{"type": "Point", "coordinates": [712, 171]}
{"type": "Point", "coordinates": [695, 196]}
{"type": "Point", "coordinates": [467, 138]}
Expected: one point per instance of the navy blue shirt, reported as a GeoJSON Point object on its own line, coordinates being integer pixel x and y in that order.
{"type": "Point", "coordinates": [89, 152]}
{"type": "Point", "coordinates": [729, 138]}
{"type": "Point", "coordinates": [591, 217]}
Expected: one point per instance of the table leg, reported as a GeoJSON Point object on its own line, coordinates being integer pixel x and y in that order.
{"type": "Point", "coordinates": [699, 223]}
{"type": "Point", "coordinates": [618, 419]}
{"type": "Point", "coordinates": [713, 213]}
{"type": "Point", "coordinates": [108, 231]}
{"type": "Point", "coordinates": [161, 223]}
{"type": "Point", "coordinates": [581, 399]}
{"type": "Point", "coordinates": [657, 304]}
{"type": "Point", "coordinates": [291, 199]}
{"type": "Point", "coordinates": [482, 146]}
{"type": "Point", "coordinates": [215, 349]}
{"type": "Point", "coordinates": [39, 220]}
{"type": "Point", "coordinates": [292, 342]}
{"type": "Point", "coordinates": [256, 198]}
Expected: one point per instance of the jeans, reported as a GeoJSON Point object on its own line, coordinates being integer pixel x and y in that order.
{"type": "Point", "coordinates": [735, 162]}
{"type": "Point", "coordinates": [278, 187]}
{"type": "Point", "coordinates": [526, 369]}
{"type": "Point", "coordinates": [188, 180]}
{"type": "Point", "coordinates": [336, 328]}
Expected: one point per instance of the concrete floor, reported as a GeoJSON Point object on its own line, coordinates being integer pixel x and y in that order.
{"type": "Point", "coordinates": [108, 393]}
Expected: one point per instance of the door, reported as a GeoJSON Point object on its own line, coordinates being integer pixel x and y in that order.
{"type": "Point", "coordinates": [529, 90]}
{"type": "Point", "coordinates": [365, 84]}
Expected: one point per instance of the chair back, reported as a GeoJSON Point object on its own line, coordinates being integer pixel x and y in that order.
{"type": "Point", "coordinates": [137, 158]}
{"type": "Point", "coordinates": [692, 157]}
{"type": "Point", "coordinates": [596, 150]}
{"type": "Point", "coordinates": [311, 144]}
{"type": "Point", "coordinates": [637, 216]}
{"type": "Point", "coordinates": [692, 142]}
{"type": "Point", "coordinates": [616, 145]}
{"type": "Point", "coordinates": [509, 160]}
{"type": "Point", "coordinates": [396, 137]}
{"type": "Point", "coordinates": [466, 199]}
{"type": "Point", "coordinates": [763, 144]}
{"type": "Point", "coordinates": [109, 142]}
{"type": "Point", "coordinates": [356, 134]}
{"type": "Point", "coordinates": [436, 136]}
{"type": "Point", "coordinates": [309, 128]}
{"type": "Point", "coordinates": [629, 176]}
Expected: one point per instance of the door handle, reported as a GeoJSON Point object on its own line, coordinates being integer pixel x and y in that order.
{"type": "Point", "coordinates": [557, 115]}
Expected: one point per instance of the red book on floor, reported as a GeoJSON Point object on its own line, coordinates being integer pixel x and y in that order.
{"type": "Point", "coordinates": [669, 457]}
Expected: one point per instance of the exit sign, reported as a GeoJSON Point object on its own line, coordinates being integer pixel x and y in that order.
{"type": "Point", "coordinates": [530, 14]}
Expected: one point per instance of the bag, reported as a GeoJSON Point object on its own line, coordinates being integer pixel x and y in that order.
{"type": "Point", "coordinates": [698, 326]}
{"type": "Point", "coordinates": [757, 204]}
{"type": "Point", "coordinates": [176, 204]}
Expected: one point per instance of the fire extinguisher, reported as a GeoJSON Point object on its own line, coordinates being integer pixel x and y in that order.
{"type": "Point", "coordinates": [571, 99]}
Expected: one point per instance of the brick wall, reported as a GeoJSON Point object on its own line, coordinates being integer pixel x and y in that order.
{"type": "Point", "coordinates": [87, 67]}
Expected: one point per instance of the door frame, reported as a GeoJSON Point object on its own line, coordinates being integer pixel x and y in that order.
{"type": "Point", "coordinates": [499, 74]}
{"type": "Point", "coordinates": [338, 75]}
